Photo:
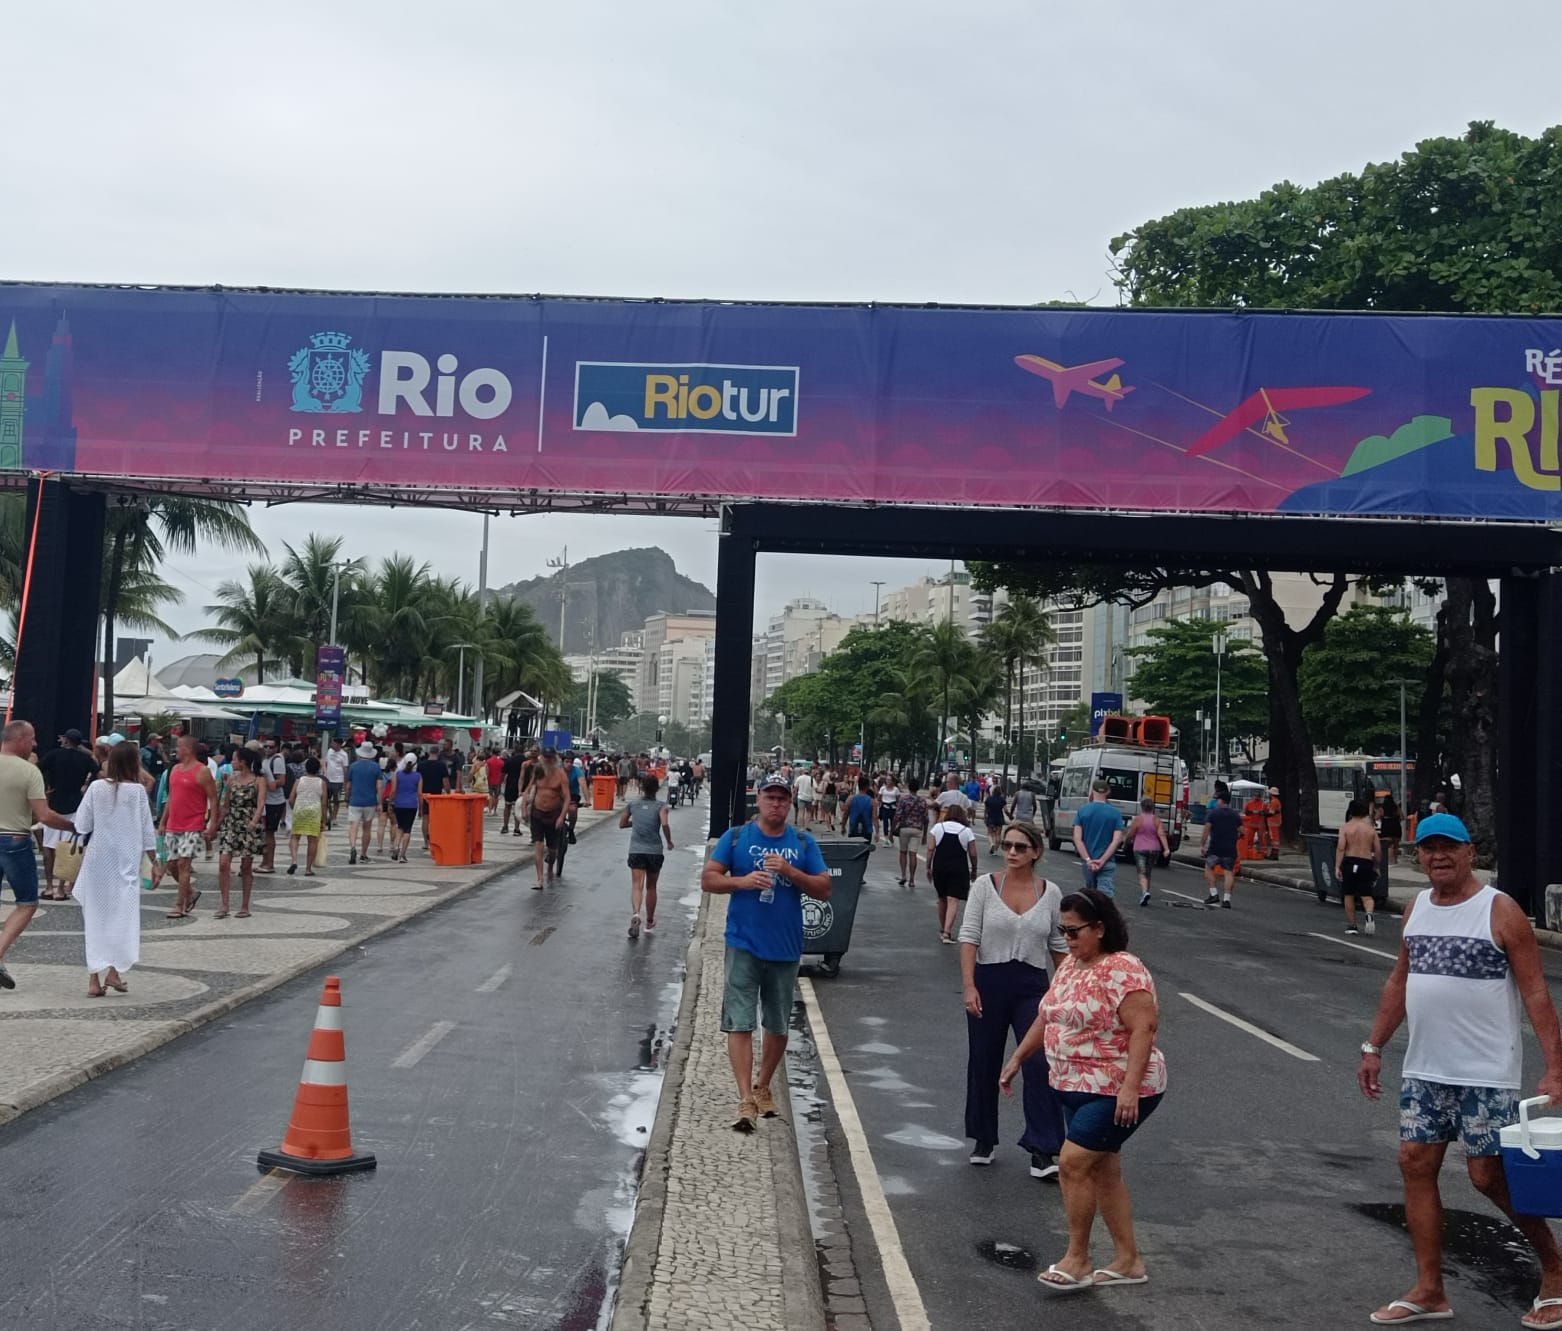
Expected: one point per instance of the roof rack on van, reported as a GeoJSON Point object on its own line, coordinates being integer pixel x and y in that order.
{"type": "Point", "coordinates": [1145, 732]}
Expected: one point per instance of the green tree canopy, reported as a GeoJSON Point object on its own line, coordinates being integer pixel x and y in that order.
{"type": "Point", "coordinates": [1176, 677]}
{"type": "Point", "coordinates": [1351, 703]}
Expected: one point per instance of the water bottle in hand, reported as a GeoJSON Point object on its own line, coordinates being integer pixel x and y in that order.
{"type": "Point", "coordinates": [768, 894]}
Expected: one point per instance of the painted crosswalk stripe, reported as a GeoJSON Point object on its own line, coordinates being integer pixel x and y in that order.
{"type": "Point", "coordinates": [1285, 1046]}
{"type": "Point", "coordinates": [415, 1051]}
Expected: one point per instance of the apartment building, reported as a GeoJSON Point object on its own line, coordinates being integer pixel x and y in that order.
{"type": "Point", "coordinates": [659, 630]}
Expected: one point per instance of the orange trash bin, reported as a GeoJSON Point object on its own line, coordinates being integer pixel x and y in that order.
{"type": "Point", "coordinates": [604, 790]}
{"type": "Point", "coordinates": [455, 828]}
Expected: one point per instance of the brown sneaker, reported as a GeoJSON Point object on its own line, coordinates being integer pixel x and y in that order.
{"type": "Point", "coordinates": [747, 1116]}
{"type": "Point", "coordinates": [765, 1102]}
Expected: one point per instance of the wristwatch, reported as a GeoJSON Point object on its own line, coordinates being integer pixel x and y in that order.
{"type": "Point", "coordinates": [1367, 1047]}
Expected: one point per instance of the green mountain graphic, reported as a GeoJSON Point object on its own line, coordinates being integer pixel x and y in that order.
{"type": "Point", "coordinates": [1375, 450]}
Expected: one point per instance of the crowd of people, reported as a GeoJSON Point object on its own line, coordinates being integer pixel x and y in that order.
{"type": "Point", "coordinates": [242, 803]}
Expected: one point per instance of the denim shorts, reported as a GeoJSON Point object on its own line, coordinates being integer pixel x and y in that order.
{"type": "Point", "coordinates": [19, 866]}
{"type": "Point", "coordinates": [1089, 1119]}
{"type": "Point", "coordinates": [1433, 1111]}
{"type": "Point", "coordinates": [1226, 863]}
{"type": "Point", "coordinates": [752, 982]}
{"type": "Point", "coordinates": [1104, 879]}
{"type": "Point", "coordinates": [1146, 860]}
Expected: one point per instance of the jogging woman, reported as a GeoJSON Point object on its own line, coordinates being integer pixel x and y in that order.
{"type": "Point", "coordinates": [646, 818]}
{"type": "Point", "coordinates": [1148, 839]}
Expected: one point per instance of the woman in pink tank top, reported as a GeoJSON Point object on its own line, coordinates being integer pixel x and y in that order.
{"type": "Point", "coordinates": [1148, 839]}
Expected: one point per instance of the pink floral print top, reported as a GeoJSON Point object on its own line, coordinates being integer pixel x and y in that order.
{"type": "Point", "coordinates": [1086, 1041]}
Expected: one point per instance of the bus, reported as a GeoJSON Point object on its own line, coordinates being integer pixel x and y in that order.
{"type": "Point", "coordinates": [1343, 777]}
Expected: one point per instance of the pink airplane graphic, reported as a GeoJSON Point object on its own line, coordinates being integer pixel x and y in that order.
{"type": "Point", "coordinates": [1068, 379]}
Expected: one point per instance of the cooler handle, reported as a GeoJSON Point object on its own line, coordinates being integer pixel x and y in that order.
{"type": "Point", "coordinates": [1524, 1107]}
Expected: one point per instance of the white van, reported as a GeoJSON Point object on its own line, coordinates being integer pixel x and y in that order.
{"type": "Point", "coordinates": [1132, 773]}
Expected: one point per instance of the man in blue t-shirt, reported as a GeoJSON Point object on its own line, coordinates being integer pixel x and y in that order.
{"type": "Point", "coordinates": [1098, 832]}
{"type": "Point", "coordinates": [766, 867]}
{"type": "Point", "coordinates": [1222, 830]}
{"type": "Point", "coordinates": [363, 802]}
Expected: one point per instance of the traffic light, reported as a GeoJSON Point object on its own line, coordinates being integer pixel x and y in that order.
{"type": "Point", "coordinates": [1014, 734]}
{"type": "Point", "coordinates": [1062, 736]}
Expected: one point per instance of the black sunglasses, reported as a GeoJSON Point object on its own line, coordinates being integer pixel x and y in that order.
{"type": "Point", "coordinates": [1074, 930]}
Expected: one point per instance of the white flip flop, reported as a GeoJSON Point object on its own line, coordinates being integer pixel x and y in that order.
{"type": "Point", "coordinates": [1068, 1285]}
{"type": "Point", "coordinates": [1104, 1275]}
{"type": "Point", "coordinates": [1416, 1314]}
{"type": "Point", "coordinates": [1535, 1308]}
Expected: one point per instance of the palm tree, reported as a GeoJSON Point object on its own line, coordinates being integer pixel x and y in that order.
{"type": "Point", "coordinates": [944, 659]}
{"type": "Point", "coordinates": [142, 534]}
{"type": "Point", "coordinates": [391, 628]}
{"type": "Point", "coordinates": [252, 620]}
{"type": "Point", "coordinates": [523, 654]}
{"type": "Point", "coordinates": [1018, 635]}
{"type": "Point", "coordinates": [311, 575]}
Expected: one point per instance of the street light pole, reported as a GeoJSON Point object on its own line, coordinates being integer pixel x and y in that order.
{"type": "Point", "coordinates": [336, 596]}
{"type": "Point", "coordinates": [461, 675]}
{"type": "Point", "coordinates": [877, 583]}
{"type": "Point", "coordinates": [562, 564]}
{"type": "Point", "coordinates": [1404, 754]}
{"type": "Point", "coordinates": [1218, 645]}
{"type": "Point", "coordinates": [482, 597]}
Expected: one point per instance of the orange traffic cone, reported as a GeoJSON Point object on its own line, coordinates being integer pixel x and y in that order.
{"type": "Point", "coordinates": [319, 1138]}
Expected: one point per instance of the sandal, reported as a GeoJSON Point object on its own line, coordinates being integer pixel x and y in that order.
{"type": "Point", "coordinates": [242, 915]}
{"type": "Point", "coordinates": [176, 915]}
{"type": "Point", "coordinates": [119, 985]}
{"type": "Point", "coordinates": [221, 914]}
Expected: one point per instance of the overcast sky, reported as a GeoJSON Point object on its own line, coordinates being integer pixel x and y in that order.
{"type": "Point", "coordinates": [985, 151]}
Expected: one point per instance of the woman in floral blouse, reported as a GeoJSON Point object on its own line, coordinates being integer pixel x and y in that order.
{"type": "Point", "coordinates": [1097, 1025]}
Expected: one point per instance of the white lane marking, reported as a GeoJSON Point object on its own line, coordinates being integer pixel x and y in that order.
{"type": "Point", "coordinates": [1345, 942]}
{"type": "Point", "coordinates": [903, 1290]}
{"type": "Point", "coordinates": [258, 1194]}
{"type": "Point", "coordinates": [415, 1051]}
{"type": "Point", "coordinates": [1198, 901]}
{"type": "Point", "coordinates": [1284, 1045]}
{"type": "Point", "coordinates": [494, 980]}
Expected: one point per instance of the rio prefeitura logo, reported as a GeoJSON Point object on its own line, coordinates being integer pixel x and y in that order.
{"type": "Point", "coordinates": [328, 374]}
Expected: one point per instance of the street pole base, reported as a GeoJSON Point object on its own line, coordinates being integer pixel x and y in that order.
{"type": "Point", "coordinates": [313, 1168]}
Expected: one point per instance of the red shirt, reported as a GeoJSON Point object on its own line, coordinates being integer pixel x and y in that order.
{"type": "Point", "coordinates": [495, 771]}
{"type": "Point", "coordinates": [186, 799]}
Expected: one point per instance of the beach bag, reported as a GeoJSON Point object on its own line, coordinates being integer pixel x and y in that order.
{"type": "Point", "coordinates": [67, 859]}
{"type": "Point", "coordinates": [146, 873]}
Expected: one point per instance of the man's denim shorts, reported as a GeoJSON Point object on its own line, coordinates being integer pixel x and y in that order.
{"type": "Point", "coordinates": [752, 982]}
{"type": "Point", "coordinates": [19, 867]}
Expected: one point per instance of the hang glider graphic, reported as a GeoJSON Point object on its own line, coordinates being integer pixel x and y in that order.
{"type": "Point", "coordinates": [1263, 409]}
{"type": "Point", "coordinates": [1067, 379]}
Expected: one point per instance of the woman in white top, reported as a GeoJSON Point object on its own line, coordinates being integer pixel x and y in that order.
{"type": "Point", "coordinates": [308, 807]}
{"type": "Point", "coordinates": [951, 864]}
{"type": "Point", "coordinates": [1010, 934]}
{"type": "Point", "coordinates": [115, 813]}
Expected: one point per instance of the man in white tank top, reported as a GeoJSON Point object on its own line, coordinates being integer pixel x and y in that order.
{"type": "Point", "coordinates": [1467, 960]}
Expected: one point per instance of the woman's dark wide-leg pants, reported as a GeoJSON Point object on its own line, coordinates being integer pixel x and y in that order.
{"type": "Point", "coordinates": [1010, 992]}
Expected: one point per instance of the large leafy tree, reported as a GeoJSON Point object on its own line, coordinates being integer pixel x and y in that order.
{"type": "Point", "coordinates": [318, 579]}
{"type": "Point", "coordinates": [614, 703]}
{"type": "Point", "coordinates": [1177, 676]}
{"type": "Point", "coordinates": [1459, 225]}
{"type": "Point", "coordinates": [1348, 681]}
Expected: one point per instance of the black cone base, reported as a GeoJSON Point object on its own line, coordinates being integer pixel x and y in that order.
{"type": "Point", "coordinates": [314, 1168]}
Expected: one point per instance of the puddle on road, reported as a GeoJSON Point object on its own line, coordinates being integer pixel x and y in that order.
{"type": "Point", "coordinates": [1006, 1254]}
{"type": "Point", "coordinates": [926, 1138]}
{"type": "Point", "coordinates": [1488, 1251]}
{"type": "Point", "coordinates": [877, 1049]}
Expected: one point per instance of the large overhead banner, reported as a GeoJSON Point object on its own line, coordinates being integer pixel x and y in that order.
{"type": "Point", "coordinates": [1077, 409]}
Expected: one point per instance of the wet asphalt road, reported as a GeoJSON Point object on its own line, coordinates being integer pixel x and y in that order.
{"type": "Point", "coordinates": [508, 1152]}
{"type": "Point", "coordinates": [1265, 1187]}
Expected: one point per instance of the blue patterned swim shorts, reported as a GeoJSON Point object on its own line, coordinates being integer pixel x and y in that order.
{"type": "Point", "coordinates": [1433, 1111]}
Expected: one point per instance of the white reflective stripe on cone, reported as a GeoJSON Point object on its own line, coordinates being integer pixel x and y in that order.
{"type": "Point", "coordinates": [328, 1019]}
{"type": "Point", "coordinates": [316, 1073]}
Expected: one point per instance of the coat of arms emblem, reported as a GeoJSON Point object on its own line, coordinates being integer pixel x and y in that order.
{"type": "Point", "coordinates": [328, 374]}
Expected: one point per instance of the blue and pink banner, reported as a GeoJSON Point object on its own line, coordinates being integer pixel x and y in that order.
{"type": "Point", "coordinates": [1071, 409]}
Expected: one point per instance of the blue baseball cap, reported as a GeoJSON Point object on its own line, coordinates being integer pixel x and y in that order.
{"type": "Point", "coordinates": [1444, 825]}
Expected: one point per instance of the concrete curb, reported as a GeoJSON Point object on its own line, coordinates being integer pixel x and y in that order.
{"type": "Point", "coordinates": [632, 1311]}
{"type": "Point", "coordinates": [802, 1295]}
{"type": "Point", "coordinates": [56, 1086]}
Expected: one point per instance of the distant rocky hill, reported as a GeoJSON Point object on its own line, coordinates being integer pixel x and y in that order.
{"type": "Point", "coordinates": [610, 595]}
